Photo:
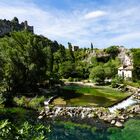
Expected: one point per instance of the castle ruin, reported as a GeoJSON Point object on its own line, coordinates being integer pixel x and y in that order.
{"type": "Point", "coordinates": [7, 26]}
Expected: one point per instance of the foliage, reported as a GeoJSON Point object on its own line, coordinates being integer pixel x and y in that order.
{"type": "Point", "coordinates": [2, 99]}
{"type": "Point", "coordinates": [71, 54]}
{"type": "Point", "coordinates": [112, 51]}
{"type": "Point", "coordinates": [25, 131]}
{"type": "Point", "coordinates": [91, 47]}
{"type": "Point", "coordinates": [111, 68]}
{"type": "Point", "coordinates": [136, 64]}
{"type": "Point", "coordinates": [70, 79]}
{"type": "Point", "coordinates": [21, 66]}
{"type": "Point", "coordinates": [34, 103]}
{"type": "Point", "coordinates": [67, 69]}
{"type": "Point", "coordinates": [20, 101]}
{"type": "Point", "coordinates": [15, 20]}
{"type": "Point", "coordinates": [102, 70]}
{"type": "Point", "coordinates": [98, 74]}
{"type": "Point", "coordinates": [116, 81]}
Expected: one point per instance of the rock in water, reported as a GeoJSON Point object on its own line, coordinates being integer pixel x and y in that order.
{"type": "Point", "coordinates": [118, 124]}
{"type": "Point", "coordinates": [113, 122]}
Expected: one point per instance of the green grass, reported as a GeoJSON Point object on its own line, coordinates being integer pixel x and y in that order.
{"type": "Point", "coordinates": [133, 84]}
{"type": "Point", "coordinates": [98, 91]}
{"type": "Point", "coordinates": [131, 131]}
{"type": "Point", "coordinates": [75, 95]}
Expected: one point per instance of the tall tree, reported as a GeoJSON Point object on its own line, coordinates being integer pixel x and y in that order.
{"type": "Point", "coordinates": [91, 47]}
{"type": "Point", "coordinates": [71, 54]}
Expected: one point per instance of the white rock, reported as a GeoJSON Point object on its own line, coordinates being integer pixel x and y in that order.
{"type": "Point", "coordinates": [113, 122]}
{"type": "Point", "coordinates": [118, 124]}
{"type": "Point", "coordinates": [40, 117]}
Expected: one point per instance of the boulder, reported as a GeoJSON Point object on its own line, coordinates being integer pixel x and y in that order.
{"type": "Point", "coordinates": [118, 124]}
{"type": "Point", "coordinates": [40, 117]}
{"type": "Point", "coordinates": [91, 115]}
{"type": "Point", "coordinates": [113, 122]}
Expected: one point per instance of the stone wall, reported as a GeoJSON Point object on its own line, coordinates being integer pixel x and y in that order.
{"type": "Point", "coordinates": [117, 118]}
{"type": "Point", "coordinates": [7, 26]}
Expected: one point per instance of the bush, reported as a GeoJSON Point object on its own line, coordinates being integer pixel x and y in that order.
{"type": "Point", "coordinates": [20, 101]}
{"type": "Point", "coordinates": [70, 79]}
{"type": "Point", "coordinates": [5, 128]}
{"type": "Point", "coordinates": [2, 100]}
{"type": "Point", "coordinates": [34, 103]}
{"type": "Point", "coordinates": [116, 81]}
{"type": "Point", "coordinates": [24, 131]}
{"type": "Point", "coordinates": [98, 74]}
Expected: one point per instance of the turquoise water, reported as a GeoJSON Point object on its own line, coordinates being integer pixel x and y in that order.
{"type": "Point", "coordinates": [69, 131]}
{"type": "Point", "coordinates": [76, 130]}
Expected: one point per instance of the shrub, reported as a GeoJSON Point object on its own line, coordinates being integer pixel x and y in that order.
{"type": "Point", "coordinates": [5, 129]}
{"type": "Point", "coordinates": [24, 131]}
{"type": "Point", "coordinates": [70, 79]}
{"type": "Point", "coordinates": [98, 74]}
{"type": "Point", "coordinates": [116, 81]}
{"type": "Point", "coordinates": [20, 101]}
{"type": "Point", "coordinates": [2, 99]}
{"type": "Point", "coordinates": [36, 102]}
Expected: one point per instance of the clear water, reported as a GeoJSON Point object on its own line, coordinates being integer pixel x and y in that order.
{"type": "Point", "coordinates": [124, 104]}
{"type": "Point", "coordinates": [85, 100]}
{"type": "Point", "coordinates": [64, 130]}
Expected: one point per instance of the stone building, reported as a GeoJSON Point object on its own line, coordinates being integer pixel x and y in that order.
{"type": "Point", "coordinates": [126, 69]}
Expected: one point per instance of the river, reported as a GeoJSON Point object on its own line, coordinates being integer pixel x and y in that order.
{"type": "Point", "coordinates": [124, 104]}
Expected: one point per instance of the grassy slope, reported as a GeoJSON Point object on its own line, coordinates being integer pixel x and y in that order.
{"type": "Point", "coordinates": [98, 91]}
{"type": "Point", "coordinates": [89, 96]}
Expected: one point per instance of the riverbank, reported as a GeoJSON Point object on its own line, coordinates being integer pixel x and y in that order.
{"type": "Point", "coordinates": [64, 129]}
{"type": "Point", "coordinates": [75, 94]}
{"type": "Point", "coordinates": [117, 117]}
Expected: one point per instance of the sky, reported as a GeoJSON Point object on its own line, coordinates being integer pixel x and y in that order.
{"type": "Point", "coordinates": [102, 22]}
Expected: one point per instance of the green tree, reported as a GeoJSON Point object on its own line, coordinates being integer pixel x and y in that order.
{"type": "Point", "coordinates": [15, 20]}
{"type": "Point", "coordinates": [136, 64]}
{"type": "Point", "coordinates": [111, 68]}
{"type": "Point", "coordinates": [91, 47]}
{"type": "Point", "coordinates": [98, 74]}
{"type": "Point", "coordinates": [71, 54]}
{"type": "Point", "coordinates": [25, 61]}
{"type": "Point", "coordinates": [112, 51]}
{"type": "Point", "coordinates": [67, 69]}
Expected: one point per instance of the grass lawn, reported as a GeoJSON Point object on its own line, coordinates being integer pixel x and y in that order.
{"type": "Point", "coordinates": [133, 84]}
{"type": "Point", "coordinates": [75, 95]}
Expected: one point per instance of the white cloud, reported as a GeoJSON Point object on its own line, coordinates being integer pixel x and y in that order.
{"type": "Point", "coordinates": [113, 25]}
{"type": "Point", "coordinates": [95, 14]}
